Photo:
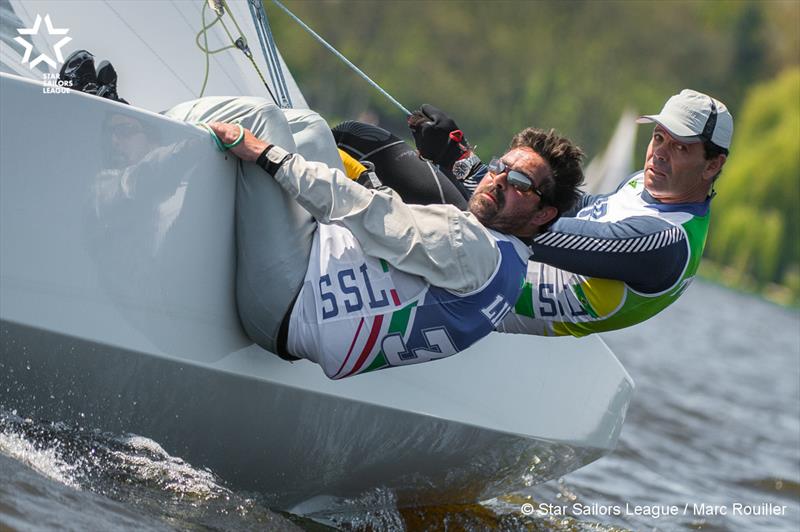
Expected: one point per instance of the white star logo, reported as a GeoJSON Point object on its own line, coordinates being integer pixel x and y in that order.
{"type": "Point", "coordinates": [35, 31]}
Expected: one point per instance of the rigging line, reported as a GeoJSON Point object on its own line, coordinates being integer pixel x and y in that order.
{"type": "Point", "coordinates": [264, 32]}
{"type": "Point", "coordinates": [258, 23]}
{"type": "Point", "coordinates": [241, 43]}
{"type": "Point", "coordinates": [272, 76]}
{"type": "Point", "coordinates": [204, 48]}
{"type": "Point", "coordinates": [204, 31]}
{"type": "Point", "coordinates": [278, 62]}
{"type": "Point", "coordinates": [338, 54]}
{"type": "Point", "coordinates": [205, 42]}
{"type": "Point", "coordinates": [227, 9]}
{"type": "Point", "coordinates": [220, 65]}
{"type": "Point", "coordinates": [149, 47]}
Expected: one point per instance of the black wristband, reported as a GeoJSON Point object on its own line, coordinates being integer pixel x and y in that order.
{"type": "Point", "coordinates": [262, 160]}
{"type": "Point", "coordinates": [269, 166]}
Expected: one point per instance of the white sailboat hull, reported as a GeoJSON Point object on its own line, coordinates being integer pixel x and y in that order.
{"type": "Point", "coordinates": [118, 312]}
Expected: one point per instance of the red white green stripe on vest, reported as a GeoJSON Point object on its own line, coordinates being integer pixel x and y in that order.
{"type": "Point", "coordinates": [365, 341]}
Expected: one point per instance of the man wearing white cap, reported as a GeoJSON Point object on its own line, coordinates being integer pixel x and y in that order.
{"type": "Point", "coordinates": [624, 257]}
{"type": "Point", "coordinates": [616, 259]}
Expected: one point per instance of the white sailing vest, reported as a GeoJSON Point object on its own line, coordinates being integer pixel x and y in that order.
{"type": "Point", "coordinates": [356, 313]}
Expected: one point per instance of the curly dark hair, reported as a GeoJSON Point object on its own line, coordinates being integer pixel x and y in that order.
{"type": "Point", "coordinates": [564, 158]}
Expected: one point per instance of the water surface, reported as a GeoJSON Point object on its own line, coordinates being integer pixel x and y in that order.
{"type": "Point", "coordinates": [715, 422]}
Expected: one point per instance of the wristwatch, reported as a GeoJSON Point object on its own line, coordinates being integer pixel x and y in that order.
{"type": "Point", "coordinates": [272, 159]}
{"type": "Point", "coordinates": [462, 167]}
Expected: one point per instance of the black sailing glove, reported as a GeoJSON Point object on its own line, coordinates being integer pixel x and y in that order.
{"type": "Point", "coordinates": [437, 137]}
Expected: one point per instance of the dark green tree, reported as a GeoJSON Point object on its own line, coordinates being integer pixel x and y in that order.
{"type": "Point", "coordinates": [756, 222]}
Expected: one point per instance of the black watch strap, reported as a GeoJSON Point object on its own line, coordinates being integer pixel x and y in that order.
{"type": "Point", "coordinates": [268, 164]}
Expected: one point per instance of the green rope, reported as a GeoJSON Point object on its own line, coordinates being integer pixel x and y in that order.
{"type": "Point", "coordinates": [204, 49]}
{"type": "Point", "coordinates": [238, 140]}
{"type": "Point", "coordinates": [240, 43]}
{"type": "Point", "coordinates": [228, 11]}
{"type": "Point", "coordinates": [221, 146]}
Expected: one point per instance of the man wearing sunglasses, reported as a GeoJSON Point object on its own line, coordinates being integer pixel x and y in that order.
{"type": "Point", "coordinates": [615, 259]}
{"type": "Point", "coordinates": [357, 280]}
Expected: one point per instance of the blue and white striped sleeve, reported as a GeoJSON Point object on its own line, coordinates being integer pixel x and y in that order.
{"type": "Point", "coordinates": [471, 181]}
{"type": "Point", "coordinates": [645, 252]}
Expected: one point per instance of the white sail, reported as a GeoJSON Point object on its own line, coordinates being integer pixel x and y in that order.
{"type": "Point", "coordinates": [608, 169]}
{"type": "Point", "coordinates": [152, 46]}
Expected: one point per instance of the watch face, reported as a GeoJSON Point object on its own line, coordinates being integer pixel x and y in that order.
{"type": "Point", "coordinates": [459, 169]}
{"type": "Point", "coordinates": [462, 167]}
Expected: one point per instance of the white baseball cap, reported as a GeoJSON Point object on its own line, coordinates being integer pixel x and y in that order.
{"type": "Point", "coordinates": [692, 116]}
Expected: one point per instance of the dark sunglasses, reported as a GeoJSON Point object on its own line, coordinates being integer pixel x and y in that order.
{"type": "Point", "coordinates": [516, 179]}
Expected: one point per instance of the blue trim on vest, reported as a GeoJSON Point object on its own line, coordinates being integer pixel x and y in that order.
{"type": "Point", "coordinates": [468, 318]}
